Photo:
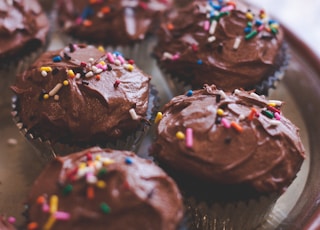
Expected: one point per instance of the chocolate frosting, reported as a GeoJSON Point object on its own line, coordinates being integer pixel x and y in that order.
{"type": "Point", "coordinates": [96, 92]}
{"type": "Point", "coordinates": [5, 225]}
{"type": "Point", "coordinates": [185, 52]}
{"type": "Point", "coordinates": [128, 193]}
{"type": "Point", "coordinates": [23, 27]}
{"type": "Point", "coordinates": [112, 22]}
{"type": "Point", "coordinates": [248, 143]}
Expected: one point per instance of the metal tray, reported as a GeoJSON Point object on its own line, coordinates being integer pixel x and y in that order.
{"type": "Point", "coordinates": [300, 89]}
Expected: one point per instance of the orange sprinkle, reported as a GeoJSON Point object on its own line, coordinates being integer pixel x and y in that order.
{"type": "Point", "coordinates": [98, 77]}
{"type": "Point", "coordinates": [105, 10]}
{"type": "Point", "coordinates": [252, 114]}
{"type": "Point", "coordinates": [41, 200]}
{"type": "Point", "coordinates": [90, 192]}
{"type": "Point", "coordinates": [87, 23]}
{"type": "Point", "coordinates": [236, 126]}
{"type": "Point", "coordinates": [33, 226]}
{"type": "Point", "coordinates": [231, 3]}
{"type": "Point", "coordinates": [170, 26]}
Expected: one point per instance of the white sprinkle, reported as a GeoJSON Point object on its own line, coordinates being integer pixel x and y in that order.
{"type": "Point", "coordinates": [133, 114]}
{"type": "Point", "coordinates": [167, 55]}
{"type": "Point", "coordinates": [91, 60]}
{"type": "Point", "coordinates": [12, 141]}
{"type": "Point", "coordinates": [274, 122]}
{"type": "Point", "coordinates": [256, 96]}
{"type": "Point", "coordinates": [241, 117]}
{"type": "Point", "coordinates": [94, 68]}
{"type": "Point", "coordinates": [55, 90]}
{"type": "Point", "coordinates": [56, 97]}
{"type": "Point", "coordinates": [237, 91]}
{"type": "Point", "coordinates": [44, 73]}
{"type": "Point", "coordinates": [100, 14]}
{"type": "Point", "coordinates": [222, 94]}
{"type": "Point", "coordinates": [213, 27]}
{"type": "Point", "coordinates": [78, 75]}
{"type": "Point", "coordinates": [277, 102]}
{"type": "Point", "coordinates": [237, 42]}
{"type": "Point", "coordinates": [211, 39]}
{"type": "Point", "coordinates": [117, 62]}
{"type": "Point", "coordinates": [89, 74]}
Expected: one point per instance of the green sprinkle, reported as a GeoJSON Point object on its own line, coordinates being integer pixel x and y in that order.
{"type": "Point", "coordinates": [67, 189]}
{"type": "Point", "coordinates": [105, 208]}
{"type": "Point", "coordinates": [267, 113]}
{"type": "Point", "coordinates": [102, 172]}
{"type": "Point", "coordinates": [274, 30]}
{"type": "Point", "coordinates": [249, 24]}
{"type": "Point", "coordinates": [251, 34]}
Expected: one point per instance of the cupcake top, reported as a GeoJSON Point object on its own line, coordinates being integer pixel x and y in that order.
{"type": "Point", "coordinates": [230, 139]}
{"type": "Point", "coordinates": [111, 22]}
{"type": "Point", "coordinates": [6, 223]}
{"type": "Point", "coordinates": [82, 94]}
{"type": "Point", "coordinates": [23, 27]}
{"type": "Point", "coordinates": [221, 43]}
{"type": "Point", "coordinates": [104, 189]}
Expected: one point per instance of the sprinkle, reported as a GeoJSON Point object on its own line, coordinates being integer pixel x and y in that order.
{"type": "Point", "coordinates": [45, 207]}
{"type": "Point", "coordinates": [236, 126]}
{"type": "Point", "coordinates": [189, 93]}
{"type": "Point", "coordinates": [167, 55]}
{"type": "Point", "coordinates": [273, 109]}
{"type": "Point", "coordinates": [176, 56]}
{"type": "Point", "coordinates": [249, 16]}
{"type": "Point", "coordinates": [237, 91]}
{"type": "Point", "coordinates": [89, 74]}
{"type": "Point", "coordinates": [247, 30]}
{"type": "Point", "coordinates": [277, 116]}
{"type": "Point", "coordinates": [70, 73]}
{"type": "Point", "coordinates": [98, 77]}
{"type": "Point", "coordinates": [206, 25]}
{"type": "Point", "coordinates": [274, 122]}
{"type": "Point", "coordinates": [67, 189]}
{"type": "Point", "coordinates": [90, 193]}
{"type": "Point", "coordinates": [65, 82]}
{"type": "Point", "coordinates": [41, 200]}
{"type": "Point", "coordinates": [44, 73]}
{"type": "Point", "coordinates": [260, 28]}
{"type": "Point", "coordinates": [33, 226]}
{"type": "Point", "coordinates": [129, 67]}
{"type": "Point", "coordinates": [61, 215]}
{"type": "Point", "coordinates": [189, 138]}
{"type": "Point", "coordinates": [110, 57]}
{"type": "Point", "coordinates": [78, 76]}
{"type": "Point", "coordinates": [254, 95]}
{"type": "Point", "coordinates": [105, 10]}
{"type": "Point", "coordinates": [48, 225]}
{"type": "Point", "coordinates": [105, 208]}
{"type": "Point", "coordinates": [237, 42]}
{"type": "Point", "coordinates": [170, 26]}
{"type": "Point", "coordinates": [121, 59]}
{"type": "Point", "coordinates": [45, 96]}
{"type": "Point", "coordinates": [133, 114]}
{"type": "Point", "coordinates": [54, 203]}
{"type": "Point", "coordinates": [11, 219]}
{"type": "Point", "coordinates": [211, 39]}
{"type": "Point", "coordinates": [222, 94]}
{"type": "Point", "coordinates": [100, 48]}
{"type": "Point", "coordinates": [275, 102]}
{"type": "Point", "coordinates": [225, 123]}
{"type": "Point", "coordinates": [102, 171]}
{"type": "Point", "coordinates": [116, 84]}
{"type": "Point", "coordinates": [213, 27]}
{"type": "Point", "coordinates": [128, 160]}
{"type": "Point", "coordinates": [56, 89]}
{"type": "Point", "coordinates": [108, 161]}
{"type": "Point", "coordinates": [57, 59]}
{"type": "Point", "coordinates": [220, 112]}
{"type": "Point", "coordinates": [252, 114]}
{"type": "Point", "coordinates": [101, 184]}
{"type": "Point", "coordinates": [251, 34]}
{"type": "Point", "coordinates": [158, 117]}
{"type": "Point", "coordinates": [267, 113]}
{"type": "Point", "coordinates": [199, 62]}
{"type": "Point", "coordinates": [46, 68]}
{"type": "Point", "coordinates": [180, 135]}
{"type": "Point", "coordinates": [117, 62]}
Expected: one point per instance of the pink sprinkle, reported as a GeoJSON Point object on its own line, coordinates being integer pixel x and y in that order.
{"type": "Point", "coordinates": [227, 8]}
{"type": "Point", "coordinates": [103, 67]}
{"type": "Point", "coordinates": [110, 58]}
{"type": "Point", "coordinates": [62, 215]}
{"type": "Point", "coordinates": [176, 56]}
{"type": "Point", "coordinates": [206, 25]}
{"type": "Point", "coordinates": [277, 116]}
{"type": "Point", "coordinates": [225, 123]}
{"type": "Point", "coordinates": [45, 207]}
{"type": "Point", "coordinates": [189, 138]}
{"type": "Point", "coordinates": [11, 219]}
{"type": "Point", "coordinates": [261, 28]}
{"type": "Point", "coordinates": [121, 59]}
{"type": "Point", "coordinates": [79, 21]}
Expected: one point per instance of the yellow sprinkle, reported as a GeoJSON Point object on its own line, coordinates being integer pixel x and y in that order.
{"type": "Point", "coordinates": [274, 25]}
{"type": "Point", "coordinates": [107, 161]}
{"type": "Point", "coordinates": [48, 225]}
{"type": "Point", "coordinates": [158, 117]}
{"type": "Point", "coordinates": [45, 96]}
{"type": "Point", "coordinates": [101, 48]}
{"type": "Point", "coordinates": [129, 67]}
{"type": "Point", "coordinates": [71, 73]}
{"type": "Point", "coordinates": [54, 203]}
{"type": "Point", "coordinates": [101, 184]}
{"type": "Point", "coordinates": [65, 82]}
{"type": "Point", "coordinates": [98, 157]}
{"type": "Point", "coordinates": [220, 112]}
{"type": "Point", "coordinates": [249, 16]}
{"type": "Point", "coordinates": [262, 16]}
{"type": "Point", "coordinates": [180, 135]}
{"type": "Point", "coordinates": [82, 165]}
{"type": "Point", "coordinates": [272, 104]}
{"type": "Point", "coordinates": [46, 68]}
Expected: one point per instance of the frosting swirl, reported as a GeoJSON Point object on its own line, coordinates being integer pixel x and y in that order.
{"type": "Point", "coordinates": [237, 138]}
{"type": "Point", "coordinates": [221, 44]}
{"type": "Point", "coordinates": [104, 189]}
{"type": "Point", "coordinates": [82, 94]}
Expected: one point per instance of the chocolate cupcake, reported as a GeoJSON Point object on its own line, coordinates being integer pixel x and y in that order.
{"type": "Point", "coordinates": [104, 189]}
{"type": "Point", "coordinates": [24, 32]}
{"type": "Point", "coordinates": [219, 42]}
{"type": "Point", "coordinates": [83, 96]}
{"type": "Point", "coordinates": [232, 154]}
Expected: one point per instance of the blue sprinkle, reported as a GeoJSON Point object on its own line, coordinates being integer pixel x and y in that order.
{"type": "Point", "coordinates": [199, 62]}
{"type": "Point", "coordinates": [128, 161]}
{"type": "Point", "coordinates": [258, 22]}
{"type": "Point", "coordinates": [189, 93]}
{"type": "Point", "coordinates": [247, 30]}
{"type": "Point", "coordinates": [57, 59]}
{"type": "Point", "coordinates": [88, 11]}
{"type": "Point", "coordinates": [272, 21]}
{"type": "Point", "coordinates": [117, 53]}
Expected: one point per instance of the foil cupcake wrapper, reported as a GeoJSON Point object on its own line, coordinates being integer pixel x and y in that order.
{"type": "Point", "coordinates": [47, 150]}
{"type": "Point", "coordinates": [241, 215]}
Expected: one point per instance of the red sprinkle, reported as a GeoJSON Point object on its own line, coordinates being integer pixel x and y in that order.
{"type": "Point", "coordinates": [116, 84]}
{"type": "Point", "coordinates": [131, 62]}
{"type": "Point", "coordinates": [83, 64]}
{"type": "Point", "coordinates": [194, 47]}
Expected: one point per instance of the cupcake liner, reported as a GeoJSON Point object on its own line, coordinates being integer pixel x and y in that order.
{"type": "Point", "coordinates": [49, 150]}
{"type": "Point", "coordinates": [242, 215]}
